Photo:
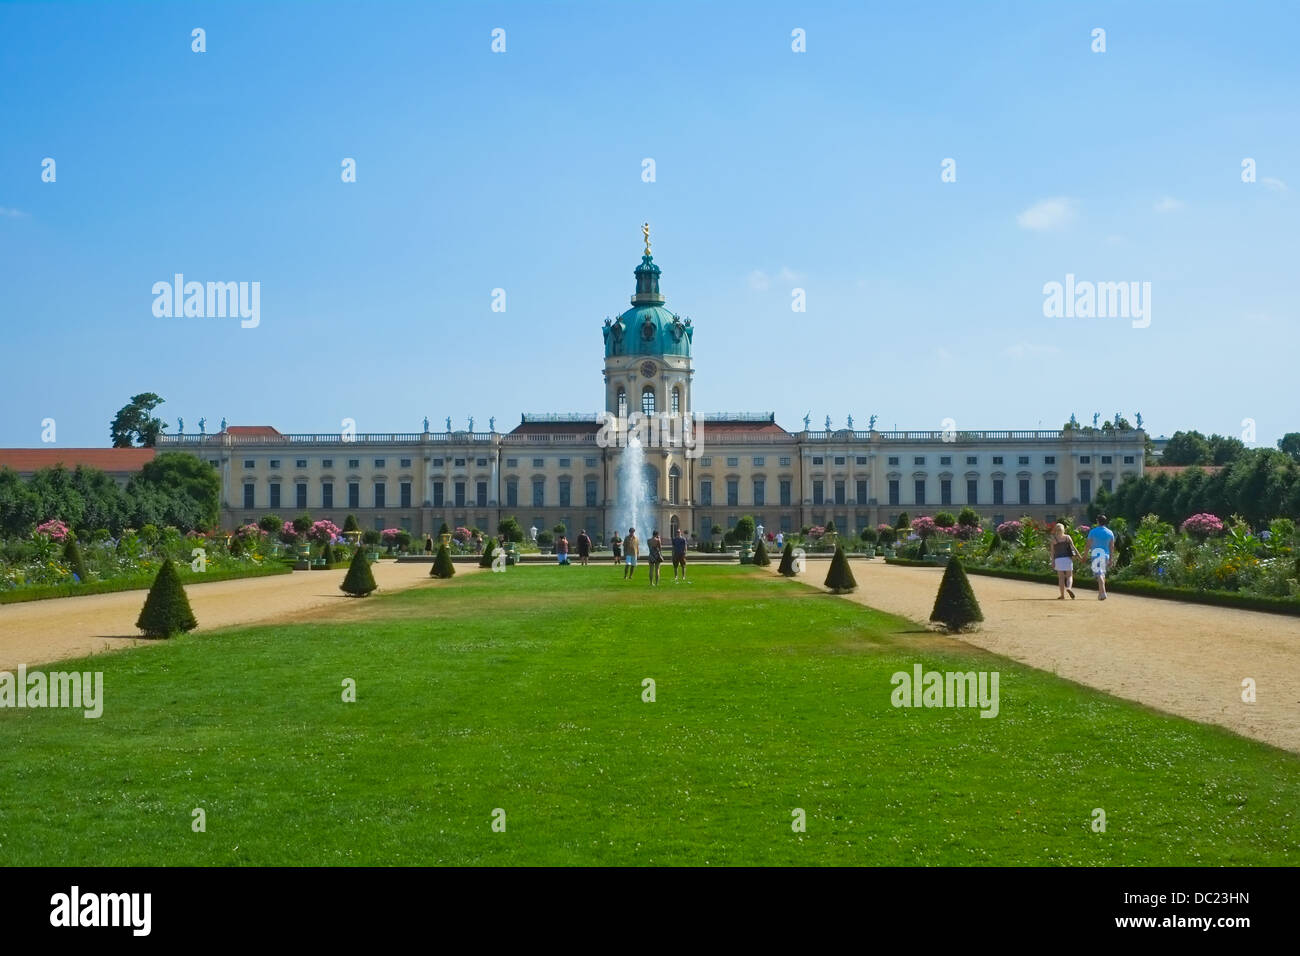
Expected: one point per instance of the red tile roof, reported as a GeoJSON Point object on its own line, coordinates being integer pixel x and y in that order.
{"type": "Point", "coordinates": [254, 431]}
{"type": "Point", "coordinates": [105, 459]}
{"type": "Point", "coordinates": [555, 428]}
{"type": "Point", "coordinates": [761, 428]}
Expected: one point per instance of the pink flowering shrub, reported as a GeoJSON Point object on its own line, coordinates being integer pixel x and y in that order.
{"type": "Point", "coordinates": [288, 533]}
{"type": "Point", "coordinates": [389, 535]}
{"type": "Point", "coordinates": [324, 532]}
{"type": "Point", "coordinates": [1202, 526]}
{"type": "Point", "coordinates": [461, 535]}
{"type": "Point", "coordinates": [54, 529]}
{"type": "Point", "coordinates": [924, 526]}
{"type": "Point", "coordinates": [1009, 530]}
{"type": "Point", "coordinates": [967, 532]}
{"type": "Point", "coordinates": [249, 532]}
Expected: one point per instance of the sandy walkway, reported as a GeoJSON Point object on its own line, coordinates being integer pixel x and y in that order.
{"type": "Point", "coordinates": [1187, 659]}
{"type": "Point", "coordinates": [41, 631]}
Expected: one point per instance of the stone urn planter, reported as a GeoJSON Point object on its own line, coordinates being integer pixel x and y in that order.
{"type": "Point", "coordinates": [445, 539]}
{"type": "Point", "coordinates": [746, 554]}
{"type": "Point", "coordinates": [354, 538]}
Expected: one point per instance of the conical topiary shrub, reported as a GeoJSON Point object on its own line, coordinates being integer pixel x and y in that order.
{"type": "Point", "coordinates": [786, 566]}
{"type": "Point", "coordinates": [839, 578]}
{"type": "Point", "coordinates": [359, 580]}
{"type": "Point", "coordinates": [72, 557]}
{"type": "Point", "coordinates": [350, 524]}
{"type": "Point", "coordinates": [488, 550]}
{"type": "Point", "coordinates": [955, 606]}
{"type": "Point", "coordinates": [442, 566]}
{"type": "Point", "coordinates": [166, 610]}
{"type": "Point", "coordinates": [760, 555]}
{"type": "Point", "coordinates": [327, 554]}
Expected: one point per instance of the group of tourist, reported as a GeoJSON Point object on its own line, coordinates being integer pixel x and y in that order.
{"type": "Point", "coordinates": [584, 548]}
{"type": "Point", "coordinates": [1101, 548]}
{"type": "Point", "coordinates": [626, 551]}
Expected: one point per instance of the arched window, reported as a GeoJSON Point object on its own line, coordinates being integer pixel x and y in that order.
{"type": "Point", "coordinates": [648, 400]}
{"type": "Point", "coordinates": [622, 402]}
{"type": "Point", "coordinates": [674, 484]}
{"type": "Point", "coordinates": [677, 400]}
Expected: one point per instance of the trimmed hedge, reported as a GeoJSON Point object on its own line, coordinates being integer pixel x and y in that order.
{"type": "Point", "coordinates": [47, 591]}
{"type": "Point", "coordinates": [1234, 599]}
{"type": "Point", "coordinates": [166, 610]}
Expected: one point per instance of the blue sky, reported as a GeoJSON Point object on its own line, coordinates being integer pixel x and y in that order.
{"type": "Point", "coordinates": [774, 170]}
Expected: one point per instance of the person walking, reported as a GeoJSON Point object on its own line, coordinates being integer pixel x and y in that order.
{"type": "Point", "coordinates": [1064, 554]}
{"type": "Point", "coordinates": [656, 545]}
{"type": "Point", "coordinates": [1101, 549]}
{"type": "Point", "coordinates": [584, 547]}
{"type": "Point", "coordinates": [630, 545]}
{"type": "Point", "coordinates": [562, 550]}
{"type": "Point", "coordinates": [616, 546]}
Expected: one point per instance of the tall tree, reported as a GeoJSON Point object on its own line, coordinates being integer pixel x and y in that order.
{"type": "Point", "coordinates": [1186, 448]}
{"type": "Point", "coordinates": [133, 422]}
{"type": "Point", "coordinates": [1225, 449]}
{"type": "Point", "coordinates": [187, 487]}
{"type": "Point", "coordinates": [1290, 444]}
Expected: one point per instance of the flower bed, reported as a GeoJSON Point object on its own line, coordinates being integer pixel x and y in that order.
{"type": "Point", "coordinates": [140, 582]}
{"type": "Point", "coordinates": [1249, 602]}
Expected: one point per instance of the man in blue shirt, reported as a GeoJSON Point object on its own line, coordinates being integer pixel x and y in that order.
{"type": "Point", "coordinates": [1101, 549]}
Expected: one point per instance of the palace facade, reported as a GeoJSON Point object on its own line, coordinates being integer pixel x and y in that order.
{"type": "Point", "coordinates": [558, 469]}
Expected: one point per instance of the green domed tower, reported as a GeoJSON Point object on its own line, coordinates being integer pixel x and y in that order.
{"type": "Point", "coordinates": [648, 350]}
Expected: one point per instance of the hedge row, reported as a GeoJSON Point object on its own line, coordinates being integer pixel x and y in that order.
{"type": "Point", "coordinates": [46, 591]}
{"type": "Point", "coordinates": [1235, 599]}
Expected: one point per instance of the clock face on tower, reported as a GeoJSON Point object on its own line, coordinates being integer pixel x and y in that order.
{"type": "Point", "coordinates": [648, 369]}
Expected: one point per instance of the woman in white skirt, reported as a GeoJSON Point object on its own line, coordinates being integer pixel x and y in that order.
{"type": "Point", "coordinates": [1064, 554]}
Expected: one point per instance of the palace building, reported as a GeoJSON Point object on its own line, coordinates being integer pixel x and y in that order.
{"type": "Point", "coordinates": [555, 468]}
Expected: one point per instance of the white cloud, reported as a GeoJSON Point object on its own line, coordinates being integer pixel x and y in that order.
{"type": "Point", "coordinates": [1169, 204]}
{"type": "Point", "coordinates": [760, 281]}
{"type": "Point", "coordinates": [1026, 350]}
{"type": "Point", "coordinates": [1274, 184]}
{"type": "Point", "coordinates": [12, 213]}
{"type": "Point", "coordinates": [1048, 214]}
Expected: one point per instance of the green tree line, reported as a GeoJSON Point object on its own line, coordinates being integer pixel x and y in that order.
{"type": "Point", "coordinates": [1258, 484]}
{"type": "Point", "coordinates": [176, 488]}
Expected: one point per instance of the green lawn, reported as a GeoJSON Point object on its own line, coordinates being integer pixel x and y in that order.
{"type": "Point", "coordinates": [522, 691]}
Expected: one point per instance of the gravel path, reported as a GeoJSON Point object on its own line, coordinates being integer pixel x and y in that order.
{"type": "Point", "coordinates": [1186, 659]}
{"type": "Point", "coordinates": [37, 632]}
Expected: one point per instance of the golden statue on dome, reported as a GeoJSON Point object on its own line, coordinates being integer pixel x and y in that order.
{"type": "Point", "coordinates": [645, 231]}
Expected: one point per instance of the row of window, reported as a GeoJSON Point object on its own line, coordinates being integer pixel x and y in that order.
{"type": "Point", "coordinates": [378, 496]}
{"type": "Point", "coordinates": [459, 494]}
{"type": "Point", "coordinates": [275, 463]}
{"type": "Point", "coordinates": [649, 402]}
{"type": "Point", "coordinates": [972, 491]}
{"type": "Point", "coordinates": [760, 461]}
{"type": "Point", "coordinates": [759, 492]}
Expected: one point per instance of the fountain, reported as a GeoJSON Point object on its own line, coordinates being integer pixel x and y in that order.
{"type": "Point", "coordinates": [632, 508]}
